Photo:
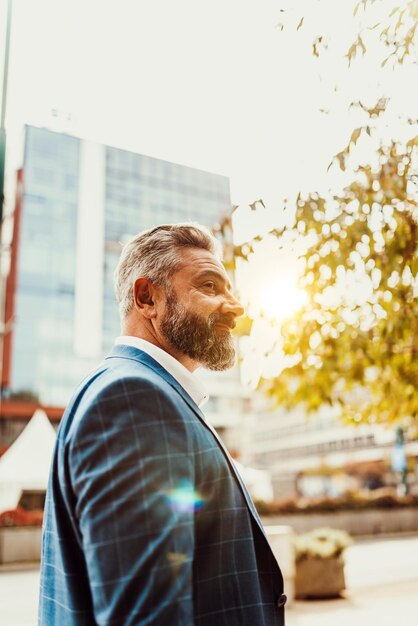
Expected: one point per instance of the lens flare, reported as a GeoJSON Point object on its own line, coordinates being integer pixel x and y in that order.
{"type": "Point", "coordinates": [184, 498]}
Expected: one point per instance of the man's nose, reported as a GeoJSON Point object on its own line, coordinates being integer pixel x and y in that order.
{"type": "Point", "coordinates": [233, 305]}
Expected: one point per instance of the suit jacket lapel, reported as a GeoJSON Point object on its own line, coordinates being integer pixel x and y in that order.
{"type": "Point", "coordinates": [136, 354]}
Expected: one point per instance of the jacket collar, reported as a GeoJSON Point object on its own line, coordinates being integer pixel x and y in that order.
{"type": "Point", "coordinates": [185, 377]}
{"type": "Point", "coordinates": [135, 354]}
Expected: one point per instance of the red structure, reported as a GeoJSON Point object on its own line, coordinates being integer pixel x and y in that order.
{"type": "Point", "coordinates": [15, 413]}
{"type": "Point", "coordinates": [21, 410]}
{"type": "Point", "coordinates": [9, 309]}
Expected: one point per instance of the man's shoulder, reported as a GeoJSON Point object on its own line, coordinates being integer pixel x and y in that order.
{"type": "Point", "coordinates": [116, 379]}
{"type": "Point", "coordinates": [120, 374]}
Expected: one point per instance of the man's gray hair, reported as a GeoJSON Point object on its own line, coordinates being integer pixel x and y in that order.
{"type": "Point", "coordinates": [154, 254]}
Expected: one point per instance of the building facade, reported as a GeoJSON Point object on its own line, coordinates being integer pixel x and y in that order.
{"type": "Point", "coordinates": [317, 455]}
{"type": "Point", "coordinates": [79, 202]}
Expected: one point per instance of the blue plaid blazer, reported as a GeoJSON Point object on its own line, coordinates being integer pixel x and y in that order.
{"type": "Point", "coordinates": [146, 520]}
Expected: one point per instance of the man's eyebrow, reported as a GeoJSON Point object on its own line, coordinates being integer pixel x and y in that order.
{"type": "Point", "coordinates": [220, 277]}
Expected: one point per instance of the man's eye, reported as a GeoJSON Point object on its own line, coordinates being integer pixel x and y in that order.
{"type": "Point", "coordinates": [210, 285]}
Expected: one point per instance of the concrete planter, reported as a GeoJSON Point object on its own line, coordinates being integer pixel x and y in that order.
{"type": "Point", "coordinates": [20, 543]}
{"type": "Point", "coordinates": [359, 522]}
{"type": "Point", "coordinates": [281, 539]}
{"type": "Point", "coordinates": [319, 578]}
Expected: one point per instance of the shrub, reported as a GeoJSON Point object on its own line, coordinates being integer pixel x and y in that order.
{"type": "Point", "coordinates": [321, 543]}
{"type": "Point", "coordinates": [20, 517]}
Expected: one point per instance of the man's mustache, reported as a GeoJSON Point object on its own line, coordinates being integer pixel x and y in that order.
{"type": "Point", "coordinates": [224, 319]}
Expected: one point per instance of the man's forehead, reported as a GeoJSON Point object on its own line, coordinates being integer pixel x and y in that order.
{"type": "Point", "coordinates": [199, 261]}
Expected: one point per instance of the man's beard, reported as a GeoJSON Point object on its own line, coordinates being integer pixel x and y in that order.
{"type": "Point", "coordinates": [196, 337]}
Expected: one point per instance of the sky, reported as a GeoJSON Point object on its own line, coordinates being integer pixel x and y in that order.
{"type": "Point", "coordinates": [213, 84]}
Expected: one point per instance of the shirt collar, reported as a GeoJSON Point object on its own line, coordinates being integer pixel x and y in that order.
{"type": "Point", "coordinates": [190, 383]}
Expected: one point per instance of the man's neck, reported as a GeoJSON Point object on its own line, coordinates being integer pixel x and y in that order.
{"type": "Point", "coordinates": [161, 343]}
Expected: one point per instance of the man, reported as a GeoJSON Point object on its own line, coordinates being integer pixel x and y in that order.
{"type": "Point", "coordinates": [147, 521]}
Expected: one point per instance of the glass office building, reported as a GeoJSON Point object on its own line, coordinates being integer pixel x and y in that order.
{"type": "Point", "coordinates": [81, 200]}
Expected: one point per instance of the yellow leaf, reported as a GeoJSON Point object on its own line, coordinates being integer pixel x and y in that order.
{"type": "Point", "coordinates": [361, 44]}
{"type": "Point", "coordinates": [355, 135]}
{"type": "Point", "coordinates": [351, 52]}
{"type": "Point", "coordinates": [243, 326]}
{"type": "Point", "coordinates": [412, 142]}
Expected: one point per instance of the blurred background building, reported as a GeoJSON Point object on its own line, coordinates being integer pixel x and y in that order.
{"type": "Point", "coordinates": [318, 456]}
{"type": "Point", "coordinates": [76, 203]}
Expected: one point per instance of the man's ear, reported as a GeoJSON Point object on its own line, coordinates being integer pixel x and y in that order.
{"type": "Point", "coordinates": [144, 293]}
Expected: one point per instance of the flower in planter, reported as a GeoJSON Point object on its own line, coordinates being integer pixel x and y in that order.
{"type": "Point", "coordinates": [320, 564]}
{"type": "Point", "coordinates": [321, 543]}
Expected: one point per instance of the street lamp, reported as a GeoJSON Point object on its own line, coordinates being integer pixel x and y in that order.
{"type": "Point", "coordinates": [399, 462]}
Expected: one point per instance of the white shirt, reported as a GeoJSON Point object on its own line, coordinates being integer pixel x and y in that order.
{"type": "Point", "coordinates": [190, 383]}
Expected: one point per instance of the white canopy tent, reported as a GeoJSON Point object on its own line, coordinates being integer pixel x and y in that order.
{"type": "Point", "coordinates": [25, 465]}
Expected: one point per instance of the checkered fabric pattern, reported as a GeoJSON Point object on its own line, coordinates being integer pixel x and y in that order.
{"type": "Point", "coordinates": [146, 520]}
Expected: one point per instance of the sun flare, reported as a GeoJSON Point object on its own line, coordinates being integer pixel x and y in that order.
{"type": "Point", "coordinates": [281, 298]}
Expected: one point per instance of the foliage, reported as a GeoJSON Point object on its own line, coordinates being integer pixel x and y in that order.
{"type": "Point", "coordinates": [397, 32]}
{"type": "Point", "coordinates": [321, 543]}
{"type": "Point", "coordinates": [358, 351]}
{"type": "Point", "coordinates": [355, 342]}
{"type": "Point", "coordinates": [396, 29]}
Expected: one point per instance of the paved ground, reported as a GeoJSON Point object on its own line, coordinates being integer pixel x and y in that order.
{"type": "Point", "coordinates": [382, 588]}
{"type": "Point", "coordinates": [386, 605]}
{"type": "Point", "coordinates": [382, 582]}
{"type": "Point", "coordinates": [19, 597]}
